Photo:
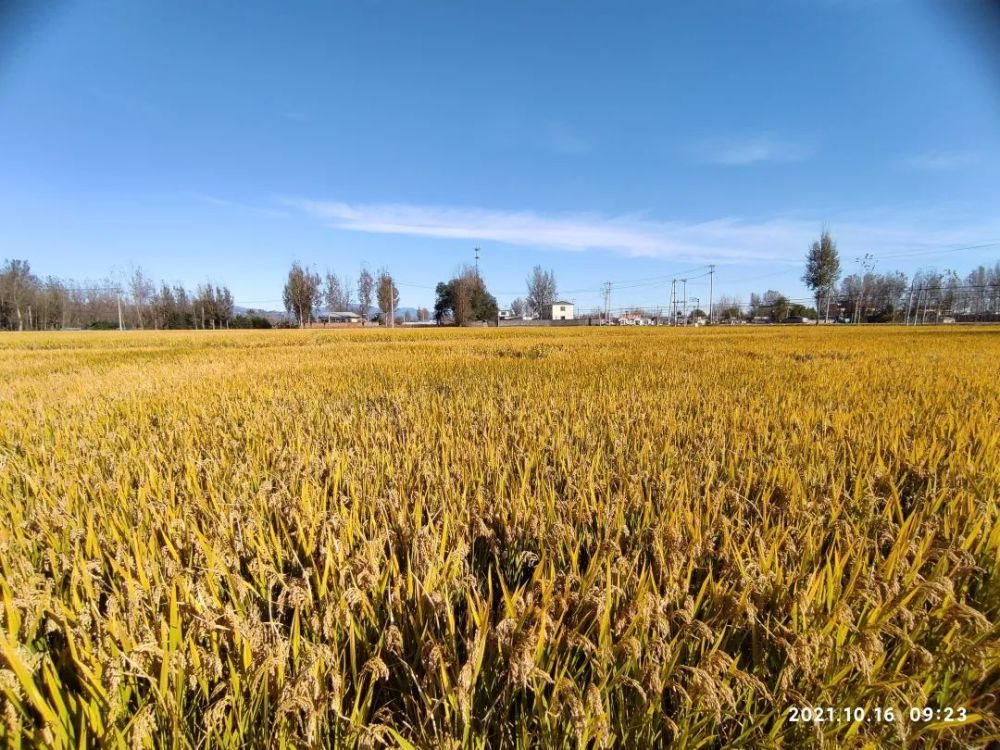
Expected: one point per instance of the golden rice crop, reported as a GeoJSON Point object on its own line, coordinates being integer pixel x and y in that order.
{"type": "Point", "coordinates": [452, 538]}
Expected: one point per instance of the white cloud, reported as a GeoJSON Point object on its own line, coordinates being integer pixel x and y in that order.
{"type": "Point", "coordinates": [774, 241]}
{"type": "Point", "coordinates": [738, 152]}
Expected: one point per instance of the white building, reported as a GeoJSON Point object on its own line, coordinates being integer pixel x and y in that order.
{"type": "Point", "coordinates": [634, 319]}
{"type": "Point", "coordinates": [561, 310]}
{"type": "Point", "coordinates": [508, 314]}
{"type": "Point", "coordinates": [343, 317]}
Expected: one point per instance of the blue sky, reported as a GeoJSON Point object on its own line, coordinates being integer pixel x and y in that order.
{"type": "Point", "coordinates": [629, 142]}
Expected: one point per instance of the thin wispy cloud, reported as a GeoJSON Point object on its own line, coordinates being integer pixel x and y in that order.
{"type": "Point", "coordinates": [213, 200]}
{"type": "Point", "coordinates": [726, 239]}
{"type": "Point", "coordinates": [940, 161]}
{"type": "Point", "coordinates": [559, 137]}
{"type": "Point", "coordinates": [546, 136]}
{"type": "Point", "coordinates": [739, 152]}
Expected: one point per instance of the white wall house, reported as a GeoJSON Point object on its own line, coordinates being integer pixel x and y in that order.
{"type": "Point", "coordinates": [561, 310]}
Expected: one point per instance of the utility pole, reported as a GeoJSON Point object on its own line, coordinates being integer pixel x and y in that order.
{"type": "Point", "coordinates": [673, 302]}
{"type": "Point", "coordinates": [121, 325]}
{"type": "Point", "coordinates": [711, 285]}
{"type": "Point", "coordinates": [607, 302]}
{"type": "Point", "coordinates": [684, 300]}
{"type": "Point", "coordinates": [909, 301]}
{"type": "Point", "coordinates": [868, 263]}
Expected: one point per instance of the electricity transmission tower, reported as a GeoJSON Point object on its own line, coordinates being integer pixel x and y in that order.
{"type": "Point", "coordinates": [684, 300]}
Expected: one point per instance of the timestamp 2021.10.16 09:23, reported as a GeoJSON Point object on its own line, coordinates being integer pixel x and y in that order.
{"type": "Point", "coordinates": [876, 714]}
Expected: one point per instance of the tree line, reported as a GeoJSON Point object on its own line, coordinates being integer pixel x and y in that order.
{"type": "Point", "coordinates": [310, 298]}
{"type": "Point", "coordinates": [31, 303]}
{"type": "Point", "coordinates": [464, 298]}
{"type": "Point", "coordinates": [872, 296]}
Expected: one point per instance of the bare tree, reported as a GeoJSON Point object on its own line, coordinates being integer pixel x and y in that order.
{"type": "Point", "coordinates": [338, 294]}
{"type": "Point", "coordinates": [346, 288]}
{"type": "Point", "coordinates": [978, 283]}
{"type": "Point", "coordinates": [301, 294]}
{"type": "Point", "coordinates": [366, 288]}
{"type": "Point", "coordinates": [141, 289]}
{"type": "Point", "coordinates": [541, 290]}
{"type": "Point", "coordinates": [333, 294]}
{"type": "Point", "coordinates": [16, 284]}
{"type": "Point", "coordinates": [388, 296]}
{"type": "Point", "coordinates": [224, 307]}
{"type": "Point", "coordinates": [204, 304]}
{"type": "Point", "coordinates": [54, 303]}
{"type": "Point", "coordinates": [993, 280]}
{"type": "Point", "coordinates": [867, 262]}
{"type": "Point", "coordinates": [727, 308]}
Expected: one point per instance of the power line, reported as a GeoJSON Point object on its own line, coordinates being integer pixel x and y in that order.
{"type": "Point", "coordinates": [921, 253]}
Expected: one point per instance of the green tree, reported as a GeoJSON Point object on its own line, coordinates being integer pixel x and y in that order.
{"type": "Point", "coordinates": [822, 270]}
{"type": "Point", "coordinates": [780, 308]}
{"type": "Point", "coordinates": [465, 299]}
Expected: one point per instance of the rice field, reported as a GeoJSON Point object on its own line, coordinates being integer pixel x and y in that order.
{"type": "Point", "coordinates": [563, 538]}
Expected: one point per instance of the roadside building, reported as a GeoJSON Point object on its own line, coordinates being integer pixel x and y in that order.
{"type": "Point", "coordinates": [634, 319]}
{"type": "Point", "coordinates": [508, 314]}
{"type": "Point", "coordinates": [561, 310]}
{"type": "Point", "coordinates": [343, 317]}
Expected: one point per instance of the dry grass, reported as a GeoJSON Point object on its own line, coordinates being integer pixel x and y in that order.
{"type": "Point", "coordinates": [559, 538]}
